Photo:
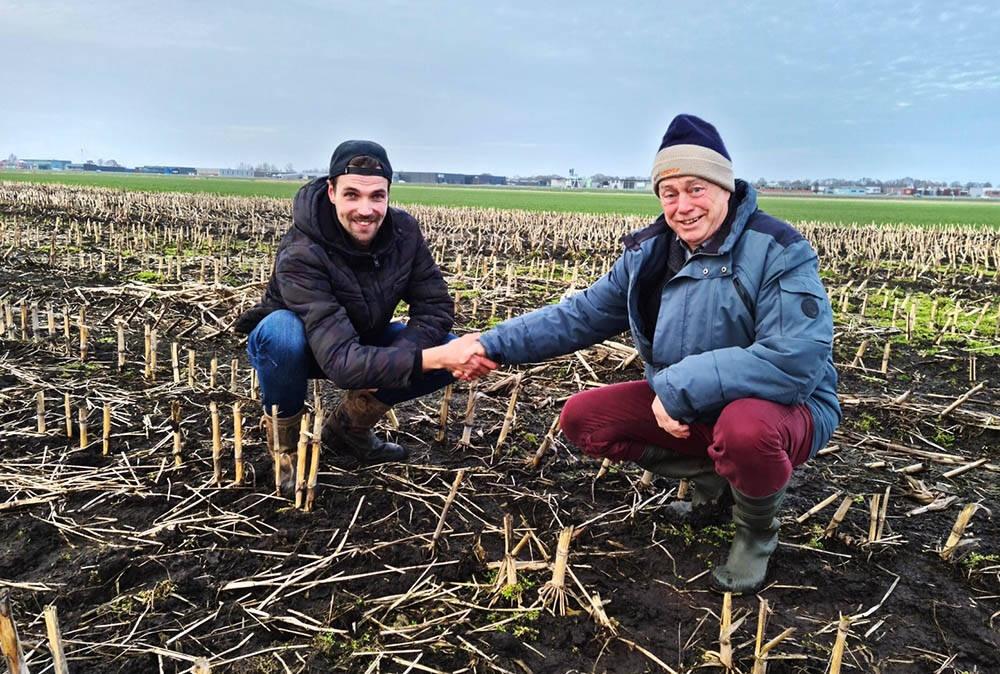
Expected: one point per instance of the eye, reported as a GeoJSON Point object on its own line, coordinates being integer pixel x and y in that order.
{"type": "Point", "coordinates": [697, 190]}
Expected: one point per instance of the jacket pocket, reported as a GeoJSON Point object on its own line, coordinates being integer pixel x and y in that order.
{"type": "Point", "coordinates": [805, 308]}
{"type": "Point", "coordinates": [801, 283]}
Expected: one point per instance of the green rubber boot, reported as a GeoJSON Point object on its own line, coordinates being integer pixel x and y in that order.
{"type": "Point", "coordinates": [708, 488]}
{"type": "Point", "coordinates": [755, 539]}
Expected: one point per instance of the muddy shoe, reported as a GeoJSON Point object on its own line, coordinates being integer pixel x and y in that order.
{"type": "Point", "coordinates": [284, 450]}
{"type": "Point", "coordinates": [710, 493]}
{"type": "Point", "coordinates": [699, 512]}
{"type": "Point", "coordinates": [348, 430]}
{"type": "Point", "coordinates": [755, 540]}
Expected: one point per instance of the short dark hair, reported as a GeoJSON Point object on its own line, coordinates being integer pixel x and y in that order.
{"type": "Point", "coordinates": [363, 161]}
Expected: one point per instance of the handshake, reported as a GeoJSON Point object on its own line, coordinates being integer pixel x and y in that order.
{"type": "Point", "coordinates": [464, 357]}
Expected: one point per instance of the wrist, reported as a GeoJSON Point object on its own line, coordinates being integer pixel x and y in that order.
{"type": "Point", "coordinates": [431, 358]}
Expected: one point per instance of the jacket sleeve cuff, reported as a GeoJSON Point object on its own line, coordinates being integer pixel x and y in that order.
{"type": "Point", "coordinates": [491, 344]}
{"type": "Point", "coordinates": [671, 399]}
{"type": "Point", "coordinates": [418, 367]}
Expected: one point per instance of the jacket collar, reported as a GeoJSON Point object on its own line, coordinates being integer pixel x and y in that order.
{"type": "Point", "coordinates": [746, 205]}
{"type": "Point", "coordinates": [314, 216]}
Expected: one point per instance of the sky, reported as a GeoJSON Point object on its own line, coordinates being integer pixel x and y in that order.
{"type": "Point", "coordinates": [798, 90]}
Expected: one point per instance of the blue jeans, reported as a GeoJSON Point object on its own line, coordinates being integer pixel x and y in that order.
{"type": "Point", "coordinates": [280, 353]}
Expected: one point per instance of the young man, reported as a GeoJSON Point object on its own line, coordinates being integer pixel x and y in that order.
{"type": "Point", "coordinates": [727, 311]}
{"type": "Point", "coordinates": [339, 273]}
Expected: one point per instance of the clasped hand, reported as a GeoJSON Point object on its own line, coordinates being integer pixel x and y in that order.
{"type": "Point", "coordinates": [667, 422]}
{"type": "Point", "coordinates": [464, 357]}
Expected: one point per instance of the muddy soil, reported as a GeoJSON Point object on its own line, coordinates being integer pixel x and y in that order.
{"type": "Point", "coordinates": [152, 566]}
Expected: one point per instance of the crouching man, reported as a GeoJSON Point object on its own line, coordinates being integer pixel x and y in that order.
{"type": "Point", "coordinates": [339, 273]}
{"type": "Point", "coordinates": [728, 313]}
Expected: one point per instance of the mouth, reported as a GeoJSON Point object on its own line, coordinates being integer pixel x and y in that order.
{"type": "Point", "coordinates": [688, 223]}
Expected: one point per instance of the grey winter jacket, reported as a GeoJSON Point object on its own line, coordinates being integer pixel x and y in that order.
{"type": "Point", "coordinates": [750, 321]}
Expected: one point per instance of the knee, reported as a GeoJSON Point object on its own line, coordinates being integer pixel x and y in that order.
{"type": "Point", "coordinates": [573, 421]}
{"type": "Point", "coordinates": [280, 337]}
{"type": "Point", "coordinates": [743, 432]}
{"type": "Point", "coordinates": [579, 420]}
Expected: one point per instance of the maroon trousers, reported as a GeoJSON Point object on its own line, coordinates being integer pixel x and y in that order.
{"type": "Point", "coordinates": [754, 444]}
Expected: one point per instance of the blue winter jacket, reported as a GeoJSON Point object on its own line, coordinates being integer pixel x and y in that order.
{"type": "Point", "coordinates": [750, 321]}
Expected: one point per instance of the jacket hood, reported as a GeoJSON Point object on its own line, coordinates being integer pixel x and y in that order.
{"type": "Point", "coordinates": [313, 215]}
{"type": "Point", "coordinates": [745, 207]}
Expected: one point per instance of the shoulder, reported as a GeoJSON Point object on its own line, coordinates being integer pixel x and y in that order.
{"type": "Point", "coordinates": [772, 245]}
{"type": "Point", "coordinates": [780, 232]}
{"type": "Point", "coordinates": [295, 246]}
{"type": "Point", "coordinates": [403, 221]}
{"type": "Point", "coordinates": [633, 241]}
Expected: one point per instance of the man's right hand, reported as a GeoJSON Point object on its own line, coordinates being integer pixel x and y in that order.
{"type": "Point", "coordinates": [667, 422]}
{"type": "Point", "coordinates": [464, 357]}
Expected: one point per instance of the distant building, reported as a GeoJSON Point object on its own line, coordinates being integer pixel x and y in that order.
{"type": "Point", "coordinates": [430, 178]}
{"type": "Point", "coordinates": [103, 168]}
{"type": "Point", "coordinates": [168, 170]}
{"type": "Point", "coordinates": [951, 192]}
{"type": "Point", "coordinates": [634, 183]}
{"type": "Point", "coordinates": [530, 181]}
{"type": "Point", "coordinates": [45, 164]}
{"type": "Point", "coordinates": [850, 190]}
{"type": "Point", "coordinates": [209, 172]}
{"type": "Point", "coordinates": [235, 173]}
{"type": "Point", "coordinates": [488, 179]}
{"type": "Point", "coordinates": [421, 177]}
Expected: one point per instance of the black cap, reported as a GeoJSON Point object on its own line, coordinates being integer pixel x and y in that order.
{"type": "Point", "coordinates": [350, 149]}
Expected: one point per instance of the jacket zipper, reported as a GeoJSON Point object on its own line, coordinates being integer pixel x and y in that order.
{"type": "Point", "coordinates": [744, 296]}
{"type": "Point", "coordinates": [378, 285]}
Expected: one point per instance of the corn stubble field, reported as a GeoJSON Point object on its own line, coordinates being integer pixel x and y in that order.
{"type": "Point", "coordinates": [136, 496]}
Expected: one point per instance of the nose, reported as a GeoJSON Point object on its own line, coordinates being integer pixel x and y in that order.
{"type": "Point", "coordinates": [683, 202]}
{"type": "Point", "coordinates": [365, 208]}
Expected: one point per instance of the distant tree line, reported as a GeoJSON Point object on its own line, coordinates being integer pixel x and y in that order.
{"type": "Point", "coordinates": [863, 182]}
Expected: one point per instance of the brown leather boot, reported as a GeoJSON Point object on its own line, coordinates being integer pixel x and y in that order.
{"type": "Point", "coordinates": [287, 446]}
{"type": "Point", "coordinates": [348, 429]}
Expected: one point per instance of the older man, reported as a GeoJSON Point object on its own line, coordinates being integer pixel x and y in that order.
{"type": "Point", "coordinates": [727, 311]}
{"type": "Point", "coordinates": [339, 273]}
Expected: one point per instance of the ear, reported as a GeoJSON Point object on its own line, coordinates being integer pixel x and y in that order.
{"type": "Point", "coordinates": [331, 190]}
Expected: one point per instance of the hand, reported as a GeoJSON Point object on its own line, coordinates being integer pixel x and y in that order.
{"type": "Point", "coordinates": [465, 357]}
{"type": "Point", "coordinates": [667, 422]}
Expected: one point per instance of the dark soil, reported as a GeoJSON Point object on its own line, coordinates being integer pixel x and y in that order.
{"type": "Point", "coordinates": [137, 555]}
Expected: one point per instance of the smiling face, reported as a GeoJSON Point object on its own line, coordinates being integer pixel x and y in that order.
{"type": "Point", "coordinates": [695, 208]}
{"type": "Point", "coordinates": [360, 202]}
